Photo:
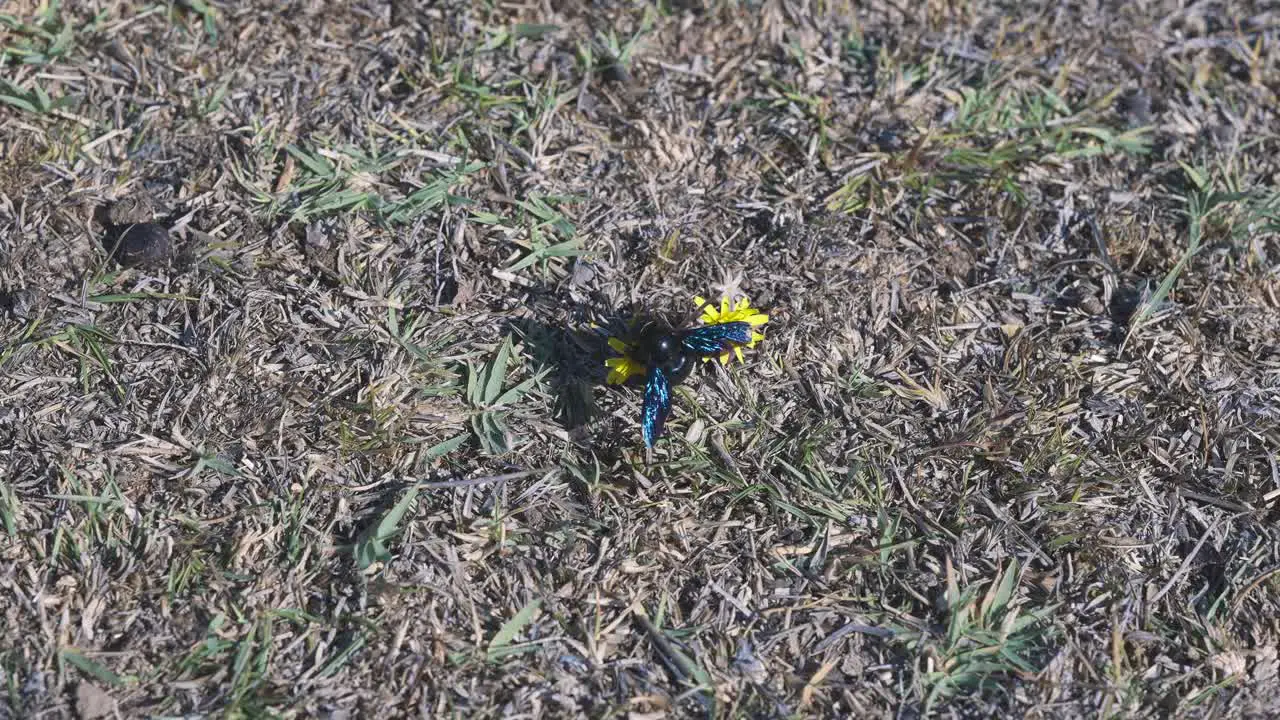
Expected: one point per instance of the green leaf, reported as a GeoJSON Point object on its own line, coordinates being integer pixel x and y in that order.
{"type": "Point", "coordinates": [1032, 618]}
{"type": "Point", "coordinates": [535, 31]}
{"type": "Point", "coordinates": [477, 427]}
{"type": "Point", "coordinates": [241, 662]}
{"type": "Point", "coordinates": [369, 551]}
{"type": "Point", "coordinates": [446, 447]}
{"type": "Point", "coordinates": [568, 248]}
{"type": "Point", "coordinates": [511, 628]}
{"type": "Point", "coordinates": [42, 98]}
{"type": "Point", "coordinates": [8, 510]}
{"type": "Point", "coordinates": [391, 521]}
{"type": "Point", "coordinates": [539, 208]}
{"type": "Point", "coordinates": [484, 217]}
{"type": "Point", "coordinates": [474, 381]}
{"type": "Point", "coordinates": [62, 42]}
{"type": "Point", "coordinates": [497, 373]}
{"type": "Point", "coordinates": [216, 463]}
{"type": "Point", "coordinates": [342, 199]}
{"type": "Point", "coordinates": [317, 164]}
{"type": "Point", "coordinates": [1198, 178]}
{"type": "Point", "coordinates": [393, 325]}
{"type": "Point", "coordinates": [565, 249]}
{"type": "Point", "coordinates": [493, 433]}
{"type": "Point", "coordinates": [19, 103]}
{"type": "Point", "coordinates": [341, 658]}
{"type": "Point", "coordinates": [372, 544]}
{"type": "Point", "coordinates": [515, 392]}
{"type": "Point", "coordinates": [1057, 102]}
{"type": "Point", "coordinates": [699, 673]}
{"type": "Point", "coordinates": [1102, 134]}
{"type": "Point", "coordinates": [215, 100]}
{"type": "Point", "coordinates": [92, 668]}
{"type": "Point", "coordinates": [206, 13]}
{"type": "Point", "coordinates": [1000, 593]}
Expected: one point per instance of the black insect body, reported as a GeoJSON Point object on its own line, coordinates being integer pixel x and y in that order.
{"type": "Point", "coordinates": [660, 346]}
{"type": "Point", "coordinates": [668, 357]}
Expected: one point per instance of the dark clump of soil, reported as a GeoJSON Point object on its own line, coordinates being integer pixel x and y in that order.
{"type": "Point", "coordinates": [140, 245]}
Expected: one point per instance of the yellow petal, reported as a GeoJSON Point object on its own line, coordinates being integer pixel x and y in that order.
{"type": "Point", "coordinates": [618, 345]}
{"type": "Point", "coordinates": [621, 369]}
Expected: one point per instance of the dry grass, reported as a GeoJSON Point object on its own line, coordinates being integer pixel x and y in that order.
{"type": "Point", "coordinates": [1009, 449]}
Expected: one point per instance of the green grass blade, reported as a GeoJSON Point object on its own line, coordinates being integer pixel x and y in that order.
{"type": "Point", "coordinates": [497, 373]}
{"type": "Point", "coordinates": [511, 628]}
{"type": "Point", "coordinates": [439, 450]}
{"type": "Point", "coordinates": [92, 668]}
{"type": "Point", "coordinates": [372, 547]}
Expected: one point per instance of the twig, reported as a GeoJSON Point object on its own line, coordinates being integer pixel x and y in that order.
{"type": "Point", "coordinates": [1186, 563]}
{"type": "Point", "coordinates": [1261, 578]}
{"type": "Point", "coordinates": [472, 482]}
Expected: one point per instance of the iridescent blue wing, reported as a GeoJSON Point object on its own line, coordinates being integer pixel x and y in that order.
{"type": "Point", "coordinates": [657, 405]}
{"type": "Point", "coordinates": [715, 339]}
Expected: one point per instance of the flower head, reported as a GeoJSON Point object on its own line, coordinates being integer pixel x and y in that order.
{"type": "Point", "coordinates": [727, 313]}
{"type": "Point", "coordinates": [622, 368]}
{"type": "Point", "coordinates": [626, 365]}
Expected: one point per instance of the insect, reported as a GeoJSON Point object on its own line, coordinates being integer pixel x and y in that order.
{"type": "Point", "coordinates": [669, 356]}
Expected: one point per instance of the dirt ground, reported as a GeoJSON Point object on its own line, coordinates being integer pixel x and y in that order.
{"type": "Point", "coordinates": [302, 336]}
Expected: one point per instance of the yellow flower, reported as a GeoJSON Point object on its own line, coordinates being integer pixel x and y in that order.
{"type": "Point", "coordinates": [622, 368]}
{"type": "Point", "coordinates": [739, 312]}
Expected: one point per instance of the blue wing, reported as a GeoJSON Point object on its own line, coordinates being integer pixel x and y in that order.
{"type": "Point", "coordinates": [715, 339]}
{"type": "Point", "coordinates": [657, 405]}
